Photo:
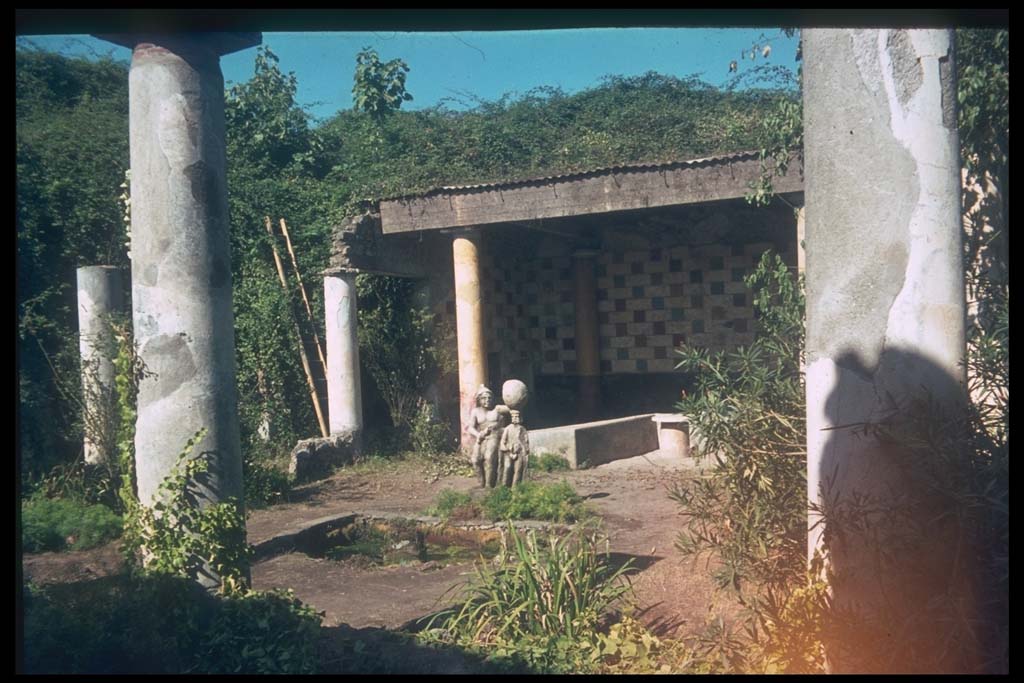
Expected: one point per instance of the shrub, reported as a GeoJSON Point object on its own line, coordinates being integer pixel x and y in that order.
{"type": "Point", "coordinates": [165, 624]}
{"type": "Point", "coordinates": [264, 483]}
{"type": "Point", "coordinates": [540, 606]}
{"type": "Point", "coordinates": [56, 524]}
{"type": "Point", "coordinates": [549, 462]}
{"type": "Point", "coordinates": [554, 502]}
{"type": "Point", "coordinates": [453, 504]}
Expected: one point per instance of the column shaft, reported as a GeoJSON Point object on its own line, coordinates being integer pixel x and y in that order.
{"type": "Point", "coordinates": [469, 322]}
{"type": "Point", "coordinates": [181, 267]}
{"type": "Point", "coordinates": [885, 328]}
{"type": "Point", "coordinates": [344, 391]}
{"type": "Point", "coordinates": [100, 294]}
{"type": "Point", "coordinates": [588, 354]}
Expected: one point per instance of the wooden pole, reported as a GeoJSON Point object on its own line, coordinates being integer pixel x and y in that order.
{"type": "Point", "coordinates": [305, 299]}
{"type": "Point", "coordinates": [298, 333]}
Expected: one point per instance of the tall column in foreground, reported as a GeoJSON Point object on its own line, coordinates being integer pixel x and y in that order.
{"type": "Point", "coordinates": [181, 262]}
{"type": "Point", "coordinates": [885, 328]}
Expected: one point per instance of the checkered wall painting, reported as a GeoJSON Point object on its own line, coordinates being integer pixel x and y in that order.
{"type": "Point", "coordinates": [649, 303]}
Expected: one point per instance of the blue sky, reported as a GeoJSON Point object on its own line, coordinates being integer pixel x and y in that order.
{"type": "Point", "coordinates": [486, 64]}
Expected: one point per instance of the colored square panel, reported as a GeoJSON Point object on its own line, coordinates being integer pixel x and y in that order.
{"type": "Point", "coordinates": [678, 314]}
{"type": "Point", "coordinates": [678, 339]}
{"type": "Point", "coordinates": [638, 316]}
{"type": "Point", "coordinates": [738, 274]}
{"type": "Point", "coordinates": [739, 325]}
{"type": "Point", "coordinates": [717, 263]}
{"type": "Point", "coordinates": [620, 329]}
{"type": "Point", "coordinates": [565, 296]}
{"type": "Point", "coordinates": [736, 250]}
{"type": "Point", "coordinates": [546, 264]}
{"type": "Point", "coordinates": [551, 333]}
{"type": "Point", "coordinates": [675, 265]}
{"type": "Point", "coordinates": [656, 254]}
{"type": "Point", "coordinates": [657, 303]}
{"type": "Point", "coordinates": [717, 312]}
{"type": "Point", "coordinates": [641, 365]}
{"type": "Point", "coordinates": [606, 366]}
{"type": "Point", "coordinates": [660, 352]}
{"type": "Point", "coordinates": [640, 341]}
{"type": "Point", "coordinates": [618, 257]}
{"type": "Point", "coordinates": [549, 309]}
{"type": "Point", "coordinates": [569, 366]}
{"type": "Point", "coordinates": [696, 301]}
{"type": "Point", "coordinates": [620, 304]}
{"type": "Point", "coordinates": [619, 280]}
{"type": "Point", "coordinates": [659, 328]}
{"type": "Point", "coordinates": [657, 278]}
{"type": "Point", "coordinates": [622, 354]}
{"type": "Point", "coordinates": [739, 300]}
{"type": "Point", "coordinates": [569, 344]}
{"type": "Point", "coordinates": [675, 290]}
{"type": "Point", "coordinates": [696, 276]}
{"type": "Point", "coordinates": [636, 267]}
{"type": "Point", "coordinates": [697, 326]}
{"type": "Point", "coordinates": [600, 270]}
{"type": "Point", "coordinates": [718, 288]}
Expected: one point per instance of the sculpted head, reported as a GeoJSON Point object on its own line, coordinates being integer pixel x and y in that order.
{"type": "Point", "coordinates": [484, 397]}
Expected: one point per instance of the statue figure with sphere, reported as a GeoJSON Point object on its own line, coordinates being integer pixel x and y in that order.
{"type": "Point", "coordinates": [501, 451]}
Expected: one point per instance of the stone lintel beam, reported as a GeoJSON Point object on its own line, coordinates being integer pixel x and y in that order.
{"type": "Point", "coordinates": [220, 43]}
{"type": "Point", "coordinates": [582, 194]}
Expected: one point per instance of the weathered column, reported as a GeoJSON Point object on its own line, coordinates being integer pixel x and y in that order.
{"type": "Point", "coordinates": [344, 392]}
{"type": "Point", "coordinates": [469, 323]}
{"type": "Point", "coordinates": [99, 296]}
{"type": "Point", "coordinates": [181, 263]}
{"type": "Point", "coordinates": [588, 354]}
{"type": "Point", "coordinates": [801, 233]}
{"type": "Point", "coordinates": [885, 326]}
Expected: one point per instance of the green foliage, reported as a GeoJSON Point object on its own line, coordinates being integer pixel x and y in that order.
{"type": "Point", "coordinates": [540, 605]}
{"type": "Point", "coordinates": [265, 484]}
{"type": "Point", "coordinates": [453, 504]}
{"type": "Point", "coordinates": [71, 153]}
{"type": "Point", "coordinates": [379, 86]}
{"type": "Point", "coordinates": [748, 408]}
{"type": "Point", "coordinates": [95, 628]}
{"type": "Point", "coordinates": [549, 462]}
{"type": "Point", "coordinates": [181, 536]}
{"type": "Point", "coordinates": [529, 500]}
{"type": "Point", "coordinates": [57, 524]}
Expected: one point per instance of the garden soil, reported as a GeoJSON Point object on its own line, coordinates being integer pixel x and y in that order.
{"type": "Point", "coordinates": [674, 596]}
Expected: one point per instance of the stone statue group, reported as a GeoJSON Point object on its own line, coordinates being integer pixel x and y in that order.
{"type": "Point", "coordinates": [502, 449]}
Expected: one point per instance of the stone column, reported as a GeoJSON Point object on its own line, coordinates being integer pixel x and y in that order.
{"type": "Point", "coordinates": [469, 323]}
{"type": "Point", "coordinates": [99, 295]}
{"type": "Point", "coordinates": [885, 324]}
{"type": "Point", "coordinates": [181, 262]}
{"type": "Point", "coordinates": [588, 355]}
{"type": "Point", "coordinates": [344, 392]}
{"type": "Point", "coordinates": [801, 232]}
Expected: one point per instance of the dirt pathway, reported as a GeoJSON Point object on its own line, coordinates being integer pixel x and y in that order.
{"type": "Point", "coordinates": [630, 496]}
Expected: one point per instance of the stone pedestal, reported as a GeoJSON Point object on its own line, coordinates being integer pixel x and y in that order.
{"type": "Point", "coordinates": [673, 434]}
{"type": "Point", "coordinates": [344, 391]}
{"type": "Point", "coordinates": [99, 296]}
{"type": "Point", "coordinates": [469, 326]}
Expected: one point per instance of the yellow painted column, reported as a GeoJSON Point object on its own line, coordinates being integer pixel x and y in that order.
{"type": "Point", "coordinates": [469, 322]}
{"type": "Point", "coordinates": [588, 354]}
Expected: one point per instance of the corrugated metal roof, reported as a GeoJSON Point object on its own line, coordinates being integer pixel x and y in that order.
{"type": "Point", "coordinates": [579, 175]}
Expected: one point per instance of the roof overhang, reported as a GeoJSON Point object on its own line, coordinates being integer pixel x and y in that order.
{"type": "Point", "coordinates": [621, 188]}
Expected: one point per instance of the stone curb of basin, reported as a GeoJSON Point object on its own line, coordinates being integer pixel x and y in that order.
{"type": "Point", "coordinates": [288, 541]}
